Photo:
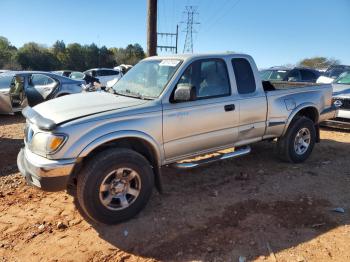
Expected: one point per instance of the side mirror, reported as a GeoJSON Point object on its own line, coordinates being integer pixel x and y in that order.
{"type": "Point", "coordinates": [185, 92]}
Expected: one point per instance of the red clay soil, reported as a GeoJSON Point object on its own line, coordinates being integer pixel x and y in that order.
{"type": "Point", "coordinates": [254, 207]}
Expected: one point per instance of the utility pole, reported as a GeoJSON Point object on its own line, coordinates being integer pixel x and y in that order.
{"type": "Point", "coordinates": [151, 27]}
{"type": "Point", "coordinates": [168, 46]}
{"type": "Point", "coordinates": [190, 12]}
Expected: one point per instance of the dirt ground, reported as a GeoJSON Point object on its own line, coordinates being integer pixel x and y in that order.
{"type": "Point", "coordinates": [254, 207]}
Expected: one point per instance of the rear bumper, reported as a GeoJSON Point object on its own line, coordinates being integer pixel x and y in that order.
{"type": "Point", "coordinates": [49, 175]}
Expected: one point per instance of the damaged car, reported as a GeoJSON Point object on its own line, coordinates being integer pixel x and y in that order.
{"type": "Point", "coordinates": [19, 89]}
{"type": "Point", "coordinates": [341, 97]}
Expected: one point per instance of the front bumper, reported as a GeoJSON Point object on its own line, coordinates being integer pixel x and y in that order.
{"type": "Point", "coordinates": [329, 113]}
{"type": "Point", "coordinates": [337, 123]}
{"type": "Point", "coordinates": [49, 175]}
{"type": "Point", "coordinates": [341, 120]}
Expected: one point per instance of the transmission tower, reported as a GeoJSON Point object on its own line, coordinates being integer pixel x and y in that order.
{"type": "Point", "coordinates": [190, 12]}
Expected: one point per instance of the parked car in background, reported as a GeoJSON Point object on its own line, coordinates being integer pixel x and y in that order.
{"type": "Point", "coordinates": [297, 74]}
{"type": "Point", "coordinates": [336, 70]}
{"type": "Point", "coordinates": [301, 74]}
{"type": "Point", "coordinates": [111, 146]}
{"type": "Point", "coordinates": [274, 73]}
{"type": "Point", "coordinates": [341, 96]}
{"type": "Point", "coordinates": [324, 80]}
{"type": "Point", "coordinates": [104, 74]}
{"type": "Point", "coordinates": [65, 73]}
{"type": "Point", "coordinates": [123, 68]}
{"type": "Point", "coordinates": [332, 73]}
{"type": "Point", "coordinates": [86, 77]}
{"type": "Point", "coordinates": [3, 71]}
{"type": "Point", "coordinates": [21, 88]}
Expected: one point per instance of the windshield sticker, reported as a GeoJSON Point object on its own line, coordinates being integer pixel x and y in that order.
{"type": "Point", "coordinates": [169, 63]}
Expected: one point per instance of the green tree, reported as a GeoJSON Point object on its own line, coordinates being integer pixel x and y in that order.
{"type": "Point", "coordinates": [130, 55]}
{"type": "Point", "coordinates": [32, 56]}
{"type": "Point", "coordinates": [91, 53]}
{"type": "Point", "coordinates": [75, 57]}
{"type": "Point", "coordinates": [58, 47]}
{"type": "Point", "coordinates": [318, 62]}
{"type": "Point", "coordinates": [7, 55]}
{"type": "Point", "coordinates": [106, 58]}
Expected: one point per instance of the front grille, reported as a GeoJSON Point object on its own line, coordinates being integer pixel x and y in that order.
{"type": "Point", "coordinates": [345, 103]}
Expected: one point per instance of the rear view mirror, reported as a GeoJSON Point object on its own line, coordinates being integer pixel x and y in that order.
{"type": "Point", "coordinates": [185, 92]}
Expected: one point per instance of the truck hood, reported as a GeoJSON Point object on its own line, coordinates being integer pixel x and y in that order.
{"type": "Point", "coordinates": [74, 106]}
{"type": "Point", "coordinates": [341, 90]}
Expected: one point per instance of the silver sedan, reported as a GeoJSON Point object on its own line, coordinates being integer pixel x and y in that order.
{"type": "Point", "coordinates": [21, 88]}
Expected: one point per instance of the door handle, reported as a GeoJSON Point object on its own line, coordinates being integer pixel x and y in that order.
{"type": "Point", "coordinates": [229, 107]}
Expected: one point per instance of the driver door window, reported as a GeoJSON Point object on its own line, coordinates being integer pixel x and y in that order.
{"type": "Point", "coordinates": [210, 78]}
{"type": "Point", "coordinates": [41, 80]}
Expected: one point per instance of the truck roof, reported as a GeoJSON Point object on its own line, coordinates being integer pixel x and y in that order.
{"type": "Point", "coordinates": [199, 55]}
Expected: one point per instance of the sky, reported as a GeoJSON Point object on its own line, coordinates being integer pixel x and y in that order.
{"type": "Point", "coordinates": [274, 32]}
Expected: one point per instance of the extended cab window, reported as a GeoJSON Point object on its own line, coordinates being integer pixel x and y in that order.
{"type": "Point", "coordinates": [209, 77]}
{"type": "Point", "coordinates": [244, 76]}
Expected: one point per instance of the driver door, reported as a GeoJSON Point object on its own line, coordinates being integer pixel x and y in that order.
{"type": "Point", "coordinates": [6, 83]}
{"type": "Point", "coordinates": [39, 88]}
{"type": "Point", "coordinates": [207, 124]}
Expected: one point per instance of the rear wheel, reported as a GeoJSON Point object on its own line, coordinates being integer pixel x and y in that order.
{"type": "Point", "coordinates": [115, 185]}
{"type": "Point", "coordinates": [298, 142]}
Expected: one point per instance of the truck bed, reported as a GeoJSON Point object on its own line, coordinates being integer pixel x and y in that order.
{"type": "Point", "coordinates": [282, 85]}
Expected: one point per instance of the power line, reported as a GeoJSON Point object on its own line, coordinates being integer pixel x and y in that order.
{"type": "Point", "coordinates": [226, 11]}
{"type": "Point", "coordinates": [190, 12]}
{"type": "Point", "coordinates": [166, 45]}
{"type": "Point", "coordinates": [221, 8]}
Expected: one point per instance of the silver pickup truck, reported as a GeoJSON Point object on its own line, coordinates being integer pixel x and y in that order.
{"type": "Point", "coordinates": [111, 146]}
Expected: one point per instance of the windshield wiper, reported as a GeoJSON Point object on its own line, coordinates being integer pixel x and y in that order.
{"type": "Point", "coordinates": [134, 95]}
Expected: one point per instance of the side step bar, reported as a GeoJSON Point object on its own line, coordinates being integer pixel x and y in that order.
{"type": "Point", "coordinates": [237, 153]}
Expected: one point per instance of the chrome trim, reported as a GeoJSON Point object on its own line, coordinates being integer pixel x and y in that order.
{"type": "Point", "coordinates": [240, 152]}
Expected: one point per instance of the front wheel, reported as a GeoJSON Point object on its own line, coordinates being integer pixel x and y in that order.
{"type": "Point", "coordinates": [115, 185]}
{"type": "Point", "coordinates": [298, 142]}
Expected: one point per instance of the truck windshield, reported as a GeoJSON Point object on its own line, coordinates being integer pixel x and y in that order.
{"type": "Point", "coordinates": [147, 79]}
{"type": "Point", "coordinates": [344, 78]}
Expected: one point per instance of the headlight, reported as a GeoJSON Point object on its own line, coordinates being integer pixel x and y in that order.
{"type": "Point", "coordinates": [44, 143]}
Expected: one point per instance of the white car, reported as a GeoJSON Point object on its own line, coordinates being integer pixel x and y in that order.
{"type": "Point", "coordinates": [104, 74]}
{"type": "Point", "coordinates": [341, 97]}
{"type": "Point", "coordinates": [324, 80]}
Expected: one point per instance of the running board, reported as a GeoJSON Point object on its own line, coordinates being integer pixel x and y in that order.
{"type": "Point", "coordinates": [239, 152]}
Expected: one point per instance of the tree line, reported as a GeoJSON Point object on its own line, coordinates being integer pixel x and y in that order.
{"type": "Point", "coordinates": [74, 56]}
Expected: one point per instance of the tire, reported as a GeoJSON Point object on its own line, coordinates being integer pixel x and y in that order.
{"type": "Point", "coordinates": [99, 182]}
{"type": "Point", "coordinates": [288, 149]}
